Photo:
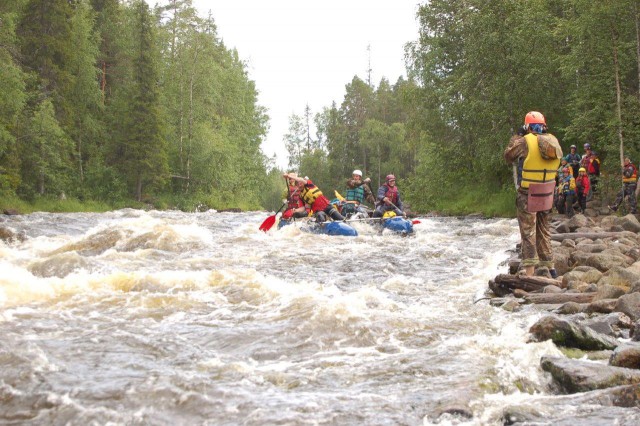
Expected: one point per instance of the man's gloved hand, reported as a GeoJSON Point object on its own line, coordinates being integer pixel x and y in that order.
{"type": "Point", "coordinates": [367, 180]}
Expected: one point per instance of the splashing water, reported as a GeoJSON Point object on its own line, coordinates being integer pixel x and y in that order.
{"type": "Point", "coordinates": [134, 317]}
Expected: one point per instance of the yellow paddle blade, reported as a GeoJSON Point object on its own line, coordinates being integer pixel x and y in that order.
{"type": "Point", "coordinates": [338, 196]}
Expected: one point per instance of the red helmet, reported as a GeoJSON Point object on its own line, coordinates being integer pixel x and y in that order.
{"type": "Point", "coordinates": [390, 177]}
{"type": "Point", "coordinates": [534, 117]}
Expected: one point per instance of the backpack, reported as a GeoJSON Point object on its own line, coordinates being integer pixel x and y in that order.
{"type": "Point", "coordinates": [549, 146]}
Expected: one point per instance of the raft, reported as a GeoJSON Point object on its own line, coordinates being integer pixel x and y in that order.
{"type": "Point", "coordinates": [328, 228]}
{"type": "Point", "coordinates": [398, 224]}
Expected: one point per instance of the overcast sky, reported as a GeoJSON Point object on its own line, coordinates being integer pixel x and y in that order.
{"type": "Point", "coordinates": [301, 52]}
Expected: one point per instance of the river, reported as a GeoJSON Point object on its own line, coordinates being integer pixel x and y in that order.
{"type": "Point", "coordinates": [170, 318]}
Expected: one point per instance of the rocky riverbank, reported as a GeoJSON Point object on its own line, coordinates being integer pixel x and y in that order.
{"type": "Point", "coordinates": [593, 308]}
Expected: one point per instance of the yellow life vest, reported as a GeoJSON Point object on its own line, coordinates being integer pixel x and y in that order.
{"type": "Point", "coordinates": [535, 168]}
{"type": "Point", "coordinates": [310, 195]}
{"type": "Point", "coordinates": [634, 176]}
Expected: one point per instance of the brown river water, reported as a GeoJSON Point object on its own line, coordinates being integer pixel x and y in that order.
{"type": "Point", "coordinates": [170, 318]}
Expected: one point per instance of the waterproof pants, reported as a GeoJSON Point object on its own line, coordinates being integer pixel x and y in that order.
{"type": "Point", "coordinates": [535, 234]}
{"type": "Point", "coordinates": [628, 190]}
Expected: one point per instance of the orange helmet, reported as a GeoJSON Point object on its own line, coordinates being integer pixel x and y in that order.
{"type": "Point", "coordinates": [534, 117]}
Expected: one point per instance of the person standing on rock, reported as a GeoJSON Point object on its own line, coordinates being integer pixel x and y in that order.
{"type": "Point", "coordinates": [582, 188]}
{"type": "Point", "coordinates": [538, 155]}
{"type": "Point", "coordinates": [629, 183]}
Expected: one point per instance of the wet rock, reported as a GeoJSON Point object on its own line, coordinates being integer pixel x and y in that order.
{"type": "Point", "coordinates": [627, 356]}
{"type": "Point", "coordinates": [630, 305]}
{"type": "Point", "coordinates": [11, 212]}
{"type": "Point", "coordinates": [582, 376]}
{"type": "Point", "coordinates": [9, 235]}
{"type": "Point", "coordinates": [571, 308]}
{"type": "Point", "coordinates": [59, 265]}
{"type": "Point", "coordinates": [569, 334]}
{"type": "Point", "coordinates": [634, 333]}
{"type": "Point", "coordinates": [568, 243]}
{"type": "Point", "coordinates": [610, 325]}
{"type": "Point", "coordinates": [603, 306]}
{"type": "Point", "coordinates": [511, 305]}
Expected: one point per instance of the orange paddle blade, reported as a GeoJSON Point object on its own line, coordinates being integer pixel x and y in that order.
{"type": "Point", "coordinates": [268, 223]}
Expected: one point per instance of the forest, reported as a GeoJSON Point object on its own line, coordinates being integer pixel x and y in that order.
{"type": "Point", "coordinates": [125, 104]}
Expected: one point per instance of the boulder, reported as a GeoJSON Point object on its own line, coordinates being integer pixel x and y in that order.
{"type": "Point", "coordinates": [605, 261]}
{"type": "Point", "coordinates": [602, 306]}
{"type": "Point", "coordinates": [627, 356]}
{"type": "Point", "coordinates": [608, 292]}
{"type": "Point", "coordinates": [571, 308]}
{"type": "Point", "coordinates": [582, 376]}
{"type": "Point", "coordinates": [620, 277]}
{"type": "Point", "coordinates": [630, 305]}
{"type": "Point", "coordinates": [610, 325]}
{"type": "Point", "coordinates": [578, 221]}
{"type": "Point", "coordinates": [569, 334]}
{"type": "Point", "coordinates": [585, 274]}
{"type": "Point", "coordinates": [629, 223]}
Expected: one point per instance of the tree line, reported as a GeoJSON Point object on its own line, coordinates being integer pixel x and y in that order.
{"type": "Point", "coordinates": [476, 68]}
{"type": "Point", "coordinates": [113, 100]}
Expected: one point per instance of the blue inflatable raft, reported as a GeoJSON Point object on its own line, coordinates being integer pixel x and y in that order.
{"type": "Point", "coordinates": [398, 224]}
{"type": "Point", "coordinates": [328, 228]}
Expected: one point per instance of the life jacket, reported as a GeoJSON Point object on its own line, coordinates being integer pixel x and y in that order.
{"type": "Point", "coordinates": [634, 175]}
{"type": "Point", "coordinates": [392, 193]}
{"type": "Point", "coordinates": [294, 200]}
{"type": "Point", "coordinates": [568, 185]}
{"type": "Point", "coordinates": [573, 158]}
{"type": "Point", "coordinates": [312, 195]}
{"type": "Point", "coordinates": [583, 184]}
{"type": "Point", "coordinates": [356, 194]}
{"type": "Point", "coordinates": [591, 163]}
{"type": "Point", "coordinates": [535, 168]}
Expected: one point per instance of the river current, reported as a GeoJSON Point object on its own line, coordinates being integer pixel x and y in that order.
{"type": "Point", "coordinates": [169, 318]}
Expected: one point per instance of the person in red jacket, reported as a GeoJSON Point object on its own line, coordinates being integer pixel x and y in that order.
{"type": "Point", "coordinates": [311, 195]}
{"type": "Point", "coordinates": [582, 188]}
{"type": "Point", "coordinates": [296, 208]}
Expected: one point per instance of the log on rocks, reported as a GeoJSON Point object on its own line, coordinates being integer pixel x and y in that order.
{"type": "Point", "coordinates": [582, 376]}
{"type": "Point", "coordinates": [559, 298]}
{"type": "Point", "coordinates": [523, 282]}
{"type": "Point", "coordinates": [592, 235]}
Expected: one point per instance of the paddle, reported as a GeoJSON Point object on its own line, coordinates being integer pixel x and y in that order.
{"type": "Point", "coordinates": [268, 222]}
{"type": "Point", "coordinates": [413, 222]}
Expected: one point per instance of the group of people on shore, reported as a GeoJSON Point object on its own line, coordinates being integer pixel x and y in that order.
{"type": "Point", "coordinates": [545, 178]}
{"type": "Point", "coordinates": [577, 179]}
{"type": "Point", "coordinates": [304, 198]}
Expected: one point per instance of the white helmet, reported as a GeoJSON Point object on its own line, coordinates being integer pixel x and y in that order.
{"type": "Point", "coordinates": [357, 172]}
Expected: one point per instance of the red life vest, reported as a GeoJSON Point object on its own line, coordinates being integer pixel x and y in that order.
{"type": "Point", "coordinates": [392, 193]}
{"type": "Point", "coordinates": [295, 200]}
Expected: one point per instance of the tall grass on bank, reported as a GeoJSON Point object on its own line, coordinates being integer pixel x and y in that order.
{"type": "Point", "coordinates": [489, 203]}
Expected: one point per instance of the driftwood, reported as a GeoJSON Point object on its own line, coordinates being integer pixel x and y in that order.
{"type": "Point", "coordinates": [592, 235]}
{"type": "Point", "coordinates": [526, 283]}
{"type": "Point", "coordinates": [559, 298]}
